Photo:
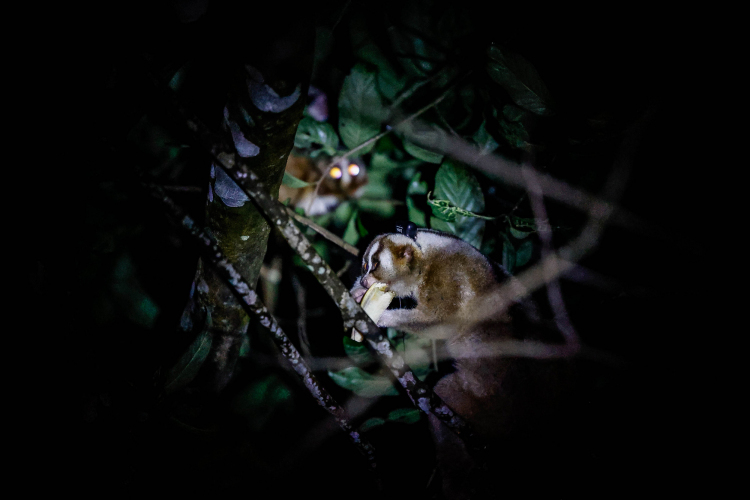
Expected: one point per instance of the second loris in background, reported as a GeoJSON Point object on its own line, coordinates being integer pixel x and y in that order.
{"type": "Point", "coordinates": [337, 179]}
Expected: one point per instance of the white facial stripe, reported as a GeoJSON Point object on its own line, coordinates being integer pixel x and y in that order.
{"type": "Point", "coordinates": [373, 251]}
{"type": "Point", "coordinates": [386, 259]}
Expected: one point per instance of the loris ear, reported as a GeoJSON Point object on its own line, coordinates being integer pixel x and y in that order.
{"type": "Point", "coordinates": [406, 252]}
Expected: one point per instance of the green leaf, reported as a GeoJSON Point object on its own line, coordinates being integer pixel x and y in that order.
{"type": "Point", "coordinates": [421, 153]}
{"type": "Point", "coordinates": [381, 208]}
{"type": "Point", "coordinates": [361, 228]}
{"type": "Point", "coordinates": [460, 187]}
{"type": "Point", "coordinates": [389, 82]}
{"type": "Point", "coordinates": [351, 235]}
{"type": "Point", "coordinates": [416, 215]}
{"type": "Point", "coordinates": [442, 209]}
{"type": "Point", "coordinates": [518, 234]}
{"type": "Point", "coordinates": [126, 288]}
{"type": "Point", "coordinates": [311, 132]}
{"type": "Point", "coordinates": [514, 133]}
{"type": "Point", "coordinates": [416, 187]}
{"type": "Point", "coordinates": [447, 211]}
{"type": "Point", "coordinates": [370, 423]}
{"type": "Point", "coordinates": [293, 182]}
{"type": "Point", "coordinates": [523, 254]}
{"type": "Point", "coordinates": [357, 351]}
{"type": "Point", "coordinates": [381, 165]}
{"type": "Point", "coordinates": [404, 415]}
{"type": "Point", "coordinates": [520, 79]}
{"type": "Point", "coordinates": [343, 213]}
{"type": "Point", "coordinates": [178, 80]}
{"type": "Point", "coordinates": [455, 183]}
{"type": "Point", "coordinates": [419, 141]}
{"type": "Point", "coordinates": [245, 346]}
{"type": "Point", "coordinates": [188, 365]}
{"type": "Point", "coordinates": [416, 56]}
{"type": "Point", "coordinates": [509, 255]}
{"type": "Point", "coordinates": [529, 225]}
{"type": "Point", "coordinates": [484, 140]}
{"type": "Point", "coordinates": [513, 113]}
{"type": "Point", "coordinates": [259, 401]}
{"type": "Point", "coordinates": [380, 161]}
{"type": "Point", "coordinates": [362, 383]}
{"type": "Point", "coordinates": [361, 109]}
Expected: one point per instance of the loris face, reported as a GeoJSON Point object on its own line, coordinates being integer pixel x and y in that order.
{"type": "Point", "coordinates": [345, 179]}
{"type": "Point", "coordinates": [392, 259]}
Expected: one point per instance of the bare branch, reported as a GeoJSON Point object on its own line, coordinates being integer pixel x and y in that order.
{"type": "Point", "coordinates": [536, 197]}
{"type": "Point", "coordinates": [324, 232]}
{"type": "Point", "coordinates": [251, 303]}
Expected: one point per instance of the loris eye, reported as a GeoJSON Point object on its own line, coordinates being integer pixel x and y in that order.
{"type": "Point", "coordinates": [353, 169]}
{"type": "Point", "coordinates": [336, 173]}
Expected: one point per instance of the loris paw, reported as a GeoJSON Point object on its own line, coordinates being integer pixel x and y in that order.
{"type": "Point", "coordinates": [391, 318]}
{"type": "Point", "coordinates": [358, 291]}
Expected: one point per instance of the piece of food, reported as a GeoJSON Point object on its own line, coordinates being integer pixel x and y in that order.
{"type": "Point", "coordinates": [375, 302]}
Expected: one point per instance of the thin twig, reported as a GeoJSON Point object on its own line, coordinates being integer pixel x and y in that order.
{"type": "Point", "coordinates": [554, 296]}
{"type": "Point", "coordinates": [404, 96]}
{"type": "Point", "coordinates": [344, 269]}
{"type": "Point", "coordinates": [324, 232]}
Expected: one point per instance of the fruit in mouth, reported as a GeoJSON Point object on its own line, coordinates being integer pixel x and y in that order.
{"type": "Point", "coordinates": [375, 301]}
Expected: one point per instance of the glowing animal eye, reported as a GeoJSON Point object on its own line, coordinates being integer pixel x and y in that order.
{"type": "Point", "coordinates": [353, 169]}
{"type": "Point", "coordinates": [336, 173]}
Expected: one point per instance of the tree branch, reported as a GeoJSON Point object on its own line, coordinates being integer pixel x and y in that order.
{"type": "Point", "coordinates": [252, 304]}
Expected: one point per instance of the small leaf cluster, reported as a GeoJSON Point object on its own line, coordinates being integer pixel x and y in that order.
{"type": "Point", "coordinates": [358, 379]}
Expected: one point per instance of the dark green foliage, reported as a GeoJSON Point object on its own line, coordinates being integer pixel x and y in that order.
{"type": "Point", "coordinates": [186, 368]}
{"type": "Point", "coordinates": [139, 307]}
{"type": "Point", "coordinates": [363, 383]}
{"type": "Point", "coordinates": [311, 132]}
{"type": "Point", "coordinates": [293, 182]}
{"type": "Point", "coordinates": [520, 79]}
{"type": "Point", "coordinates": [403, 416]}
{"type": "Point", "coordinates": [360, 108]}
{"type": "Point", "coordinates": [261, 400]}
{"type": "Point", "coordinates": [460, 188]}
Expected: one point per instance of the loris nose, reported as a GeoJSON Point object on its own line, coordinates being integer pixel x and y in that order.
{"type": "Point", "coordinates": [368, 281]}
